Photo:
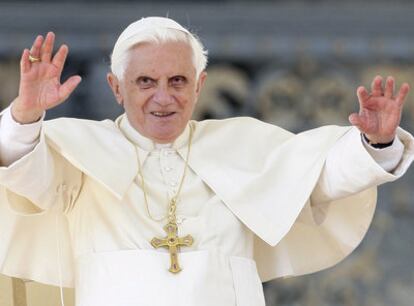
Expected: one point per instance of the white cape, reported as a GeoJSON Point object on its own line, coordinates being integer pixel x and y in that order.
{"type": "Point", "coordinates": [264, 174]}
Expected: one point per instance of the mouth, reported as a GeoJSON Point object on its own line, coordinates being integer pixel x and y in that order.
{"type": "Point", "coordinates": [162, 114]}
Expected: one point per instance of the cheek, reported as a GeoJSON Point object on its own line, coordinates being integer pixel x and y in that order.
{"type": "Point", "coordinates": [187, 106]}
{"type": "Point", "coordinates": [187, 99]}
{"type": "Point", "coordinates": [138, 102]}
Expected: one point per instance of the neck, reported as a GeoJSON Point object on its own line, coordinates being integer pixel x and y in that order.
{"type": "Point", "coordinates": [160, 141]}
{"type": "Point", "coordinates": [162, 145]}
{"type": "Point", "coordinates": [148, 143]}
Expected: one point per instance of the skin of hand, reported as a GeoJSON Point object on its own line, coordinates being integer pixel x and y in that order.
{"type": "Point", "coordinates": [379, 111]}
{"type": "Point", "coordinates": [40, 87]}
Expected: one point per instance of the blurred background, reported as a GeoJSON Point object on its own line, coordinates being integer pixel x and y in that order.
{"type": "Point", "coordinates": [296, 64]}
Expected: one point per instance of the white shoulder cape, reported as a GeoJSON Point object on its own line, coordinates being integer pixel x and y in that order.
{"type": "Point", "coordinates": [266, 178]}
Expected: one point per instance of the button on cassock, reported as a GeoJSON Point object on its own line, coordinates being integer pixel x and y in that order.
{"type": "Point", "coordinates": [168, 153]}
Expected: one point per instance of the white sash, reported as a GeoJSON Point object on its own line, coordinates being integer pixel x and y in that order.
{"type": "Point", "coordinates": [141, 278]}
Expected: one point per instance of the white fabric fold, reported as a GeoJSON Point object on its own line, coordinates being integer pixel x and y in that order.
{"type": "Point", "coordinates": [257, 187]}
{"type": "Point", "coordinates": [16, 140]}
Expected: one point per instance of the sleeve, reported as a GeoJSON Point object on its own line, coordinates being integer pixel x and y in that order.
{"type": "Point", "coordinates": [38, 186]}
{"type": "Point", "coordinates": [35, 182]}
{"type": "Point", "coordinates": [352, 166]}
{"type": "Point", "coordinates": [16, 140]}
{"type": "Point", "coordinates": [388, 158]}
{"type": "Point", "coordinates": [341, 207]}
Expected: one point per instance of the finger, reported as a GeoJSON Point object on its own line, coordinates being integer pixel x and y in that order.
{"type": "Point", "coordinates": [362, 95]}
{"type": "Point", "coordinates": [60, 58]}
{"type": "Point", "coordinates": [68, 87]}
{"type": "Point", "coordinates": [389, 87]}
{"type": "Point", "coordinates": [47, 47]}
{"type": "Point", "coordinates": [376, 86]}
{"type": "Point", "coordinates": [24, 62]}
{"type": "Point", "coordinates": [402, 94]}
{"type": "Point", "coordinates": [37, 44]}
{"type": "Point", "coordinates": [360, 122]}
{"type": "Point", "coordinates": [357, 121]}
{"type": "Point", "coordinates": [364, 98]}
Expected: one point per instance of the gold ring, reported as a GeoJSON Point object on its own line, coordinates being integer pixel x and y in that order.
{"type": "Point", "coordinates": [33, 59]}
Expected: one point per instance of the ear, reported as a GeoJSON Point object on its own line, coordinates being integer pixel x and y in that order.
{"type": "Point", "coordinates": [200, 83]}
{"type": "Point", "coordinates": [115, 86]}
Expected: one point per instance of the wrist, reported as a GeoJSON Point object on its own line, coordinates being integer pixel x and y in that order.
{"type": "Point", "coordinates": [25, 116]}
{"type": "Point", "coordinates": [379, 143]}
{"type": "Point", "coordinates": [374, 139]}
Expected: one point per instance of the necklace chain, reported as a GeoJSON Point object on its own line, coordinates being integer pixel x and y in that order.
{"type": "Point", "coordinates": [174, 200]}
{"type": "Point", "coordinates": [173, 242]}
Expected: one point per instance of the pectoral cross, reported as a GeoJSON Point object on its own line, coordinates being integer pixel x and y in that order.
{"type": "Point", "coordinates": [173, 243]}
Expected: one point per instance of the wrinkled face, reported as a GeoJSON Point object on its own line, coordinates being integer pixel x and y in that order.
{"type": "Point", "coordinates": [159, 89]}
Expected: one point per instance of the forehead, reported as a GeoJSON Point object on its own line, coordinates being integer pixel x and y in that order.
{"type": "Point", "coordinates": [158, 59]}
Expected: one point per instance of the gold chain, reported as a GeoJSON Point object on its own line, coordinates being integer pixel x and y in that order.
{"type": "Point", "coordinates": [173, 201]}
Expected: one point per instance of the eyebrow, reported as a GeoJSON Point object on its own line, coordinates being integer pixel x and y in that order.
{"type": "Point", "coordinates": [144, 77]}
{"type": "Point", "coordinates": [140, 77]}
{"type": "Point", "coordinates": [178, 76]}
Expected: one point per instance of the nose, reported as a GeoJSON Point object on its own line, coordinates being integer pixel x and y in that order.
{"type": "Point", "coordinates": [162, 96]}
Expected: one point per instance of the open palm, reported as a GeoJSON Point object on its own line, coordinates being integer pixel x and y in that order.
{"type": "Point", "coordinates": [380, 111]}
{"type": "Point", "coordinates": [40, 87]}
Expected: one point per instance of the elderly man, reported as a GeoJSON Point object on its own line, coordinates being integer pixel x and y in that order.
{"type": "Point", "coordinates": [155, 209]}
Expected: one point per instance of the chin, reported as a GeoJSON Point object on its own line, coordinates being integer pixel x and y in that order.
{"type": "Point", "coordinates": [165, 137]}
{"type": "Point", "coordinates": [166, 132]}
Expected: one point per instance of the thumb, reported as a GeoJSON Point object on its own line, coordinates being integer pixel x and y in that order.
{"type": "Point", "coordinates": [68, 87]}
{"type": "Point", "coordinates": [356, 121]}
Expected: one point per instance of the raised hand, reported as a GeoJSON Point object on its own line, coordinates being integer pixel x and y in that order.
{"type": "Point", "coordinates": [40, 87]}
{"type": "Point", "coordinates": [379, 111]}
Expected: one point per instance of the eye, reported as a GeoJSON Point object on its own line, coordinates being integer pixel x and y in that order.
{"type": "Point", "coordinates": [145, 82]}
{"type": "Point", "coordinates": [178, 81]}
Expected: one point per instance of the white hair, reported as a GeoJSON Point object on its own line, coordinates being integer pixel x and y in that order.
{"type": "Point", "coordinates": [155, 34]}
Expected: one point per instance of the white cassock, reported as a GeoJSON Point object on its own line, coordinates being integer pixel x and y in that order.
{"type": "Point", "coordinates": [260, 202]}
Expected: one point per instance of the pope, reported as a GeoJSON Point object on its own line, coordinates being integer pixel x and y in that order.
{"type": "Point", "coordinates": [157, 209]}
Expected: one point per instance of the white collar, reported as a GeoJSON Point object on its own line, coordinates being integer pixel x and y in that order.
{"type": "Point", "coordinates": [147, 144]}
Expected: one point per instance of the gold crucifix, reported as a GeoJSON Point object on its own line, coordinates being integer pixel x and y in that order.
{"type": "Point", "coordinates": [173, 243]}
